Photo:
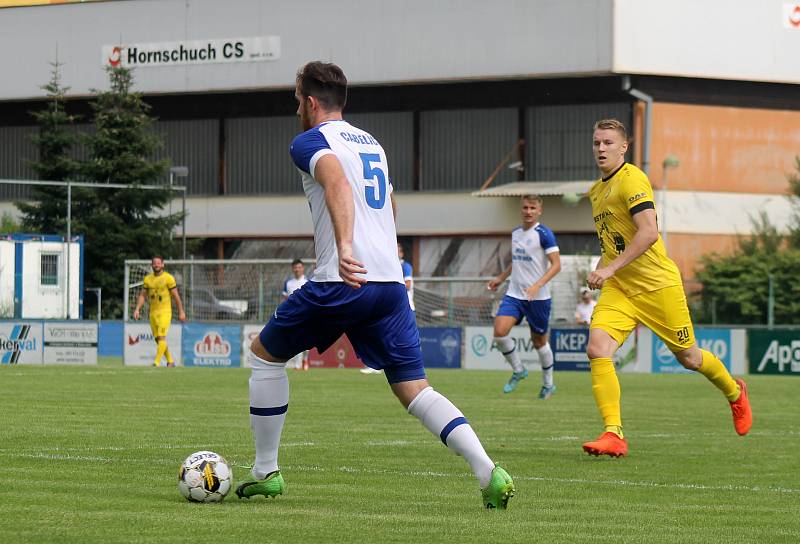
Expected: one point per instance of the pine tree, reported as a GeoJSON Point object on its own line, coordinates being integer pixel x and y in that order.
{"type": "Point", "coordinates": [122, 224]}
{"type": "Point", "coordinates": [46, 210]}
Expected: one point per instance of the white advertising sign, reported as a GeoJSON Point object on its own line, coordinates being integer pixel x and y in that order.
{"type": "Point", "coordinates": [21, 343]}
{"type": "Point", "coordinates": [249, 332]}
{"type": "Point", "coordinates": [479, 353]}
{"type": "Point", "coordinates": [140, 346]}
{"type": "Point", "coordinates": [70, 343]}
{"type": "Point", "coordinates": [159, 54]}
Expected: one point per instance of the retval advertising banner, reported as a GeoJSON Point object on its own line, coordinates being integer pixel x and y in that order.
{"type": "Point", "coordinates": [212, 345]}
{"type": "Point", "coordinates": [20, 343]}
{"type": "Point", "coordinates": [441, 347]}
{"type": "Point", "coordinates": [480, 353]}
{"type": "Point", "coordinates": [774, 352]}
{"type": "Point", "coordinates": [139, 346]}
{"type": "Point", "coordinates": [70, 343]}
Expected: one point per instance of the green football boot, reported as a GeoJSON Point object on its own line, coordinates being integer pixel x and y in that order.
{"type": "Point", "coordinates": [499, 490]}
{"type": "Point", "coordinates": [270, 486]}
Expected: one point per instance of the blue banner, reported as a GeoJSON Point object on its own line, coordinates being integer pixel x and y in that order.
{"type": "Point", "coordinates": [717, 341]}
{"type": "Point", "coordinates": [569, 348]}
{"type": "Point", "coordinates": [209, 344]}
{"type": "Point", "coordinates": [441, 347]}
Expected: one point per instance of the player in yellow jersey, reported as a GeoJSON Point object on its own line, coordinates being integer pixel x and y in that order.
{"type": "Point", "coordinates": [639, 284]}
{"type": "Point", "coordinates": [160, 289]}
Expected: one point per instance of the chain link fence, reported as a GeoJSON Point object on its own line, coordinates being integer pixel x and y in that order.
{"type": "Point", "coordinates": [250, 290]}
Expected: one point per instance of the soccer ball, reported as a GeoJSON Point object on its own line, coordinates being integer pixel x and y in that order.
{"type": "Point", "coordinates": [571, 199]}
{"type": "Point", "coordinates": [205, 477]}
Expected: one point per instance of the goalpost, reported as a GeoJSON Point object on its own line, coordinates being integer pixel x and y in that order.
{"type": "Point", "coordinates": [218, 290]}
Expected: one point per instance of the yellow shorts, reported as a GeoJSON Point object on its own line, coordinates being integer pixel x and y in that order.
{"type": "Point", "coordinates": [159, 323]}
{"type": "Point", "coordinates": [664, 312]}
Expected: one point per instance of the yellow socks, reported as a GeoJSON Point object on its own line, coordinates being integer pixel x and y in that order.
{"type": "Point", "coordinates": [170, 360]}
{"type": "Point", "coordinates": [161, 348]}
{"type": "Point", "coordinates": [713, 369]}
{"type": "Point", "coordinates": [605, 387]}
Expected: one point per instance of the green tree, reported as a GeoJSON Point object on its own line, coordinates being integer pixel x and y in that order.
{"type": "Point", "coordinates": [46, 210]}
{"type": "Point", "coordinates": [8, 225]}
{"type": "Point", "coordinates": [736, 286]}
{"type": "Point", "coordinates": [130, 223]}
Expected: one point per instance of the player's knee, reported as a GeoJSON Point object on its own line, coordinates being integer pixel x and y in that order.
{"type": "Point", "coordinates": [504, 344]}
{"type": "Point", "coordinates": [690, 359]}
{"type": "Point", "coordinates": [598, 350]}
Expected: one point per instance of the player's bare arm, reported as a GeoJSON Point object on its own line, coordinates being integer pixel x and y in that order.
{"type": "Point", "coordinates": [339, 200]}
{"type": "Point", "coordinates": [394, 206]}
{"type": "Point", "coordinates": [139, 303]}
{"type": "Point", "coordinates": [555, 268]}
{"type": "Point", "coordinates": [646, 235]}
{"type": "Point", "coordinates": [496, 282]}
{"type": "Point", "coordinates": [178, 303]}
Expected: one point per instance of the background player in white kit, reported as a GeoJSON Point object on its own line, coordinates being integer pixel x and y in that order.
{"type": "Point", "coordinates": [356, 288]}
{"type": "Point", "coordinates": [533, 248]}
{"type": "Point", "coordinates": [292, 284]}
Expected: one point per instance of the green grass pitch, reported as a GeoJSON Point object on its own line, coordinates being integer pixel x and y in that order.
{"type": "Point", "coordinates": [91, 454]}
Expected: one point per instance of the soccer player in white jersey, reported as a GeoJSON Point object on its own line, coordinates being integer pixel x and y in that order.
{"type": "Point", "coordinates": [535, 260]}
{"type": "Point", "coordinates": [292, 284]}
{"type": "Point", "coordinates": [356, 288]}
{"type": "Point", "coordinates": [296, 280]}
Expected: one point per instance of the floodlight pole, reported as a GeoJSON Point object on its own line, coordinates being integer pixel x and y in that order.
{"type": "Point", "coordinates": [671, 161]}
{"type": "Point", "coordinates": [69, 239]}
{"type": "Point", "coordinates": [179, 172]}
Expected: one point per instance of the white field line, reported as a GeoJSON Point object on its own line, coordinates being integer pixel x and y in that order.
{"type": "Point", "coordinates": [577, 481]}
{"type": "Point", "coordinates": [357, 470]}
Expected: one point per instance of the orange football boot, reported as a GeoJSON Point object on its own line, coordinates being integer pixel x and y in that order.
{"type": "Point", "coordinates": [742, 415]}
{"type": "Point", "coordinates": [607, 444]}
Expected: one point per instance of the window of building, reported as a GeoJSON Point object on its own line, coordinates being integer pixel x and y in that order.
{"type": "Point", "coordinates": [49, 268]}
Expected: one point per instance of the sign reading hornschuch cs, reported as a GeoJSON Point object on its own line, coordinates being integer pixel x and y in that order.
{"type": "Point", "coordinates": [143, 55]}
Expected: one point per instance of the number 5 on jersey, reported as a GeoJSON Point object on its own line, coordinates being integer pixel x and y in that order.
{"type": "Point", "coordinates": [375, 196]}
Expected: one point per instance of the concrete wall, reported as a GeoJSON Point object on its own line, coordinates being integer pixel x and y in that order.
{"type": "Point", "coordinates": [746, 150]}
{"type": "Point", "coordinates": [382, 42]}
{"type": "Point", "coordinates": [749, 40]}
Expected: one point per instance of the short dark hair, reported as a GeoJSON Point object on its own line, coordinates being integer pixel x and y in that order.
{"type": "Point", "coordinates": [159, 257]}
{"type": "Point", "coordinates": [324, 81]}
{"type": "Point", "coordinates": [296, 261]}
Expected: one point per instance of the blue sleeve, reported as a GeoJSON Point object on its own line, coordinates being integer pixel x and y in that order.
{"type": "Point", "coordinates": [547, 238]}
{"type": "Point", "coordinates": [305, 145]}
{"type": "Point", "coordinates": [407, 270]}
{"type": "Point", "coordinates": [286, 287]}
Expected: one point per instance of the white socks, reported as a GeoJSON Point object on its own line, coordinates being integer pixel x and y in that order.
{"type": "Point", "coordinates": [508, 348]}
{"type": "Point", "coordinates": [546, 360]}
{"type": "Point", "coordinates": [443, 419]}
{"type": "Point", "coordinates": [269, 400]}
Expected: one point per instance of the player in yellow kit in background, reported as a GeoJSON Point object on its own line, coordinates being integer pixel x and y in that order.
{"type": "Point", "coordinates": [159, 287]}
{"type": "Point", "coordinates": [639, 284]}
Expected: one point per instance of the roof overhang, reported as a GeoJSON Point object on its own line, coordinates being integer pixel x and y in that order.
{"type": "Point", "coordinates": [541, 188]}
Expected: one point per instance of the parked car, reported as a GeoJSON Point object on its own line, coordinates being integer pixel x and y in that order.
{"type": "Point", "coordinates": [202, 304]}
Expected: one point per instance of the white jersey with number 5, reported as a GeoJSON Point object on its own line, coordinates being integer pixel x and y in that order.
{"type": "Point", "coordinates": [364, 163]}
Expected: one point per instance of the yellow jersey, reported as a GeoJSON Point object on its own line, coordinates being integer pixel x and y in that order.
{"type": "Point", "coordinates": [158, 288]}
{"type": "Point", "coordinates": [615, 200]}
